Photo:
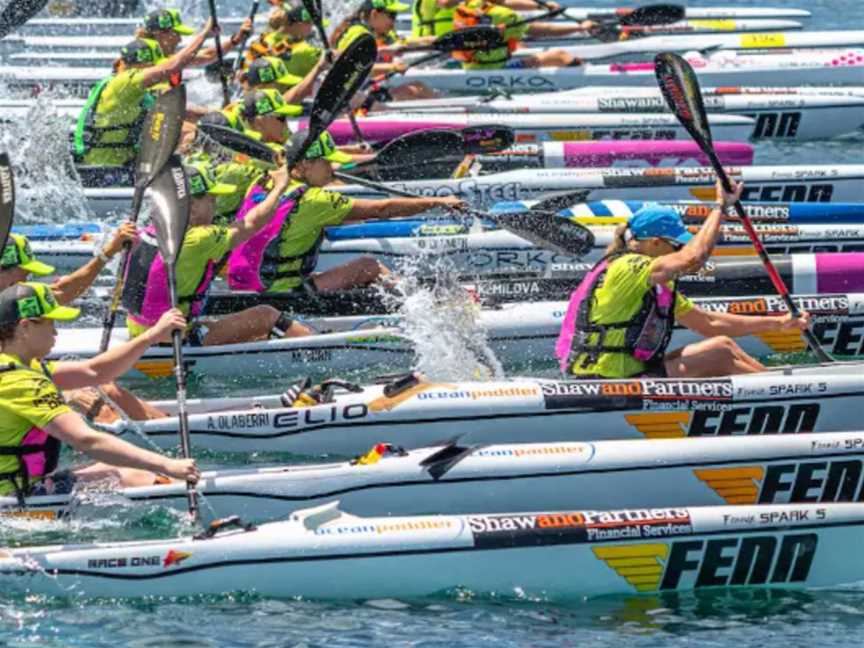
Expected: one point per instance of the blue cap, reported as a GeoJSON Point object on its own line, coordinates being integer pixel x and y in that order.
{"type": "Point", "coordinates": [661, 222]}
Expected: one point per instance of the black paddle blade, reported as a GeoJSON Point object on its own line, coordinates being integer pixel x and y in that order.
{"type": "Point", "coordinates": [550, 231]}
{"type": "Point", "coordinates": [470, 39]}
{"type": "Point", "coordinates": [160, 135]}
{"type": "Point", "coordinates": [481, 140]}
{"type": "Point", "coordinates": [557, 202]}
{"type": "Point", "coordinates": [17, 13]}
{"type": "Point", "coordinates": [169, 193]}
{"type": "Point", "coordinates": [657, 14]}
{"type": "Point", "coordinates": [344, 79]}
{"type": "Point", "coordinates": [680, 89]}
{"type": "Point", "coordinates": [238, 142]}
{"type": "Point", "coordinates": [7, 199]}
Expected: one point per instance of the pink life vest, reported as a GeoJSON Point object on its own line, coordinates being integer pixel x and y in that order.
{"type": "Point", "coordinates": [646, 334]}
{"type": "Point", "coordinates": [145, 292]}
{"type": "Point", "coordinates": [253, 265]}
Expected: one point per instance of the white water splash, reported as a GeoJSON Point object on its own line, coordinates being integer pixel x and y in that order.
{"type": "Point", "coordinates": [46, 184]}
{"type": "Point", "coordinates": [442, 321]}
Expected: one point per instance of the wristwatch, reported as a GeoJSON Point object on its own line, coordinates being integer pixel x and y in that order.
{"type": "Point", "coordinates": [99, 253]}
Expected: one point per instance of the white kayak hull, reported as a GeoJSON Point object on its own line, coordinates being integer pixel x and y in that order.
{"type": "Point", "coordinates": [520, 334]}
{"type": "Point", "coordinates": [801, 183]}
{"type": "Point", "coordinates": [790, 401]}
{"type": "Point", "coordinates": [821, 67]}
{"type": "Point", "coordinates": [455, 479]}
{"type": "Point", "coordinates": [324, 553]}
{"type": "Point", "coordinates": [788, 117]}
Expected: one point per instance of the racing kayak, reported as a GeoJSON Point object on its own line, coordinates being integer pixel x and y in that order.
{"type": "Point", "coordinates": [709, 42]}
{"type": "Point", "coordinates": [824, 67]}
{"type": "Point", "coordinates": [541, 128]}
{"type": "Point", "coordinates": [499, 478]}
{"type": "Point", "coordinates": [325, 553]}
{"type": "Point", "coordinates": [24, 49]}
{"type": "Point", "coordinates": [694, 212]}
{"type": "Point", "coordinates": [528, 128]}
{"type": "Point", "coordinates": [520, 334]}
{"type": "Point", "coordinates": [782, 115]}
{"type": "Point", "coordinates": [556, 155]}
{"type": "Point", "coordinates": [802, 273]}
{"type": "Point", "coordinates": [802, 183]}
{"type": "Point", "coordinates": [787, 400]}
{"type": "Point", "coordinates": [69, 81]}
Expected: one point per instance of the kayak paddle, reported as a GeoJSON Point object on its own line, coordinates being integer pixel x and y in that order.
{"type": "Point", "coordinates": [170, 218]}
{"type": "Point", "coordinates": [220, 58]}
{"type": "Point", "coordinates": [7, 199]}
{"type": "Point", "coordinates": [315, 12]}
{"type": "Point", "coordinates": [238, 62]}
{"type": "Point", "coordinates": [543, 229]}
{"type": "Point", "coordinates": [682, 93]}
{"type": "Point", "coordinates": [433, 153]}
{"type": "Point", "coordinates": [17, 13]}
{"type": "Point", "coordinates": [160, 135]}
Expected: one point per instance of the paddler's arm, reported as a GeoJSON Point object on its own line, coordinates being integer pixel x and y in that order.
{"type": "Point", "coordinates": [698, 250]}
{"type": "Point", "coordinates": [303, 89]}
{"type": "Point", "coordinates": [117, 360]}
{"type": "Point", "coordinates": [163, 71]}
{"type": "Point", "coordinates": [70, 287]}
{"type": "Point", "coordinates": [71, 429]}
{"type": "Point", "coordinates": [709, 324]}
{"type": "Point", "coordinates": [207, 56]}
{"type": "Point", "coordinates": [241, 231]}
{"type": "Point", "coordinates": [558, 29]}
{"type": "Point", "coordinates": [398, 207]}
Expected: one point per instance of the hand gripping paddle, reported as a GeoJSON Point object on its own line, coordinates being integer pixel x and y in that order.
{"type": "Point", "coordinates": [680, 88]}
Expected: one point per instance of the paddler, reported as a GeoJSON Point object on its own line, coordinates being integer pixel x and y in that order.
{"type": "Point", "coordinates": [289, 29]}
{"type": "Point", "coordinates": [435, 18]}
{"type": "Point", "coordinates": [282, 257]}
{"type": "Point", "coordinates": [378, 18]}
{"type": "Point", "coordinates": [107, 129]}
{"type": "Point", "coordinates": [165, 26]}
{"type": "Point", "coordinates": [514, 30]}
{"type": "Point", "coordinates": [205, 245]}
{"type": "Point", "coordinates": [34, 418]}
{"type": "Point", "coordinates": [620, 319]}
{"type": "Point", "coordinates": [270, 73]}
{"type": "Point", "coordinates": [18, 263]}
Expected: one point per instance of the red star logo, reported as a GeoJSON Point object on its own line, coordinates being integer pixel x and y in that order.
{"type": "Point", "coordinates": [175, 558]}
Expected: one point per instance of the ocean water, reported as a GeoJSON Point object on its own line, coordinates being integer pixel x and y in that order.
{"type": "Point", "coordinates": [743, 617]}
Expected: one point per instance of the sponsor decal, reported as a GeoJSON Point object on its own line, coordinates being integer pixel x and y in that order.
{"type": "Point", "coordinates": [841, 338]}
{"type": "Point", "coordinates": [781, 125]}
{"type": "Point", "coordinates": [470, 190]}
{"type": "Point", "coordinates": [625, 134]}
{"type": "Point", "coordinates": [748, 560]}
{"type": "Point", "coordinates": [376, 338]}
{"type": "Point", "coordinates": [534, 451]}
{"type": "Point", "coordinates": [495, 531]}
{"type": "Point", "coordinates": [520, 81]}
{"type": "Point", "coordinates": [30, 515]}
{"type": "Point", "coordinates": [796, 482]}
{"type": "Point", "coordinates": [287, 419]}
{"type": "Point", "coordinates": [5, 185]}
{"type": "Point", "coordinates": [386, 403]}
{"type": "Point", "coordinates": [478, 394]}
{"type": "Point", "coordinates": [124, 562]}
{"type": "Point", "coordinates": [764, 419]}
{"type": "Point", "coordinates": [382, 528]}
{"type": "Point", "coordinates": [755, 212]}
{"type": "Point", "coordinates": [635, 394]}
{"type": "Point", "coordinates": [311, 355]}
{"type": "Point", "coordinates": [175, 557]}
{"type": "Point", "coordinates": [440, 243]}
{"type": "Point", "coordinates": [156, 126]}
{"type": "Point", "coordinates": [784, 193]}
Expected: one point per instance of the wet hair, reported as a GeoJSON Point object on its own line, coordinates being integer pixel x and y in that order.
{"type": "Point", "coordinates": [278, 19]}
